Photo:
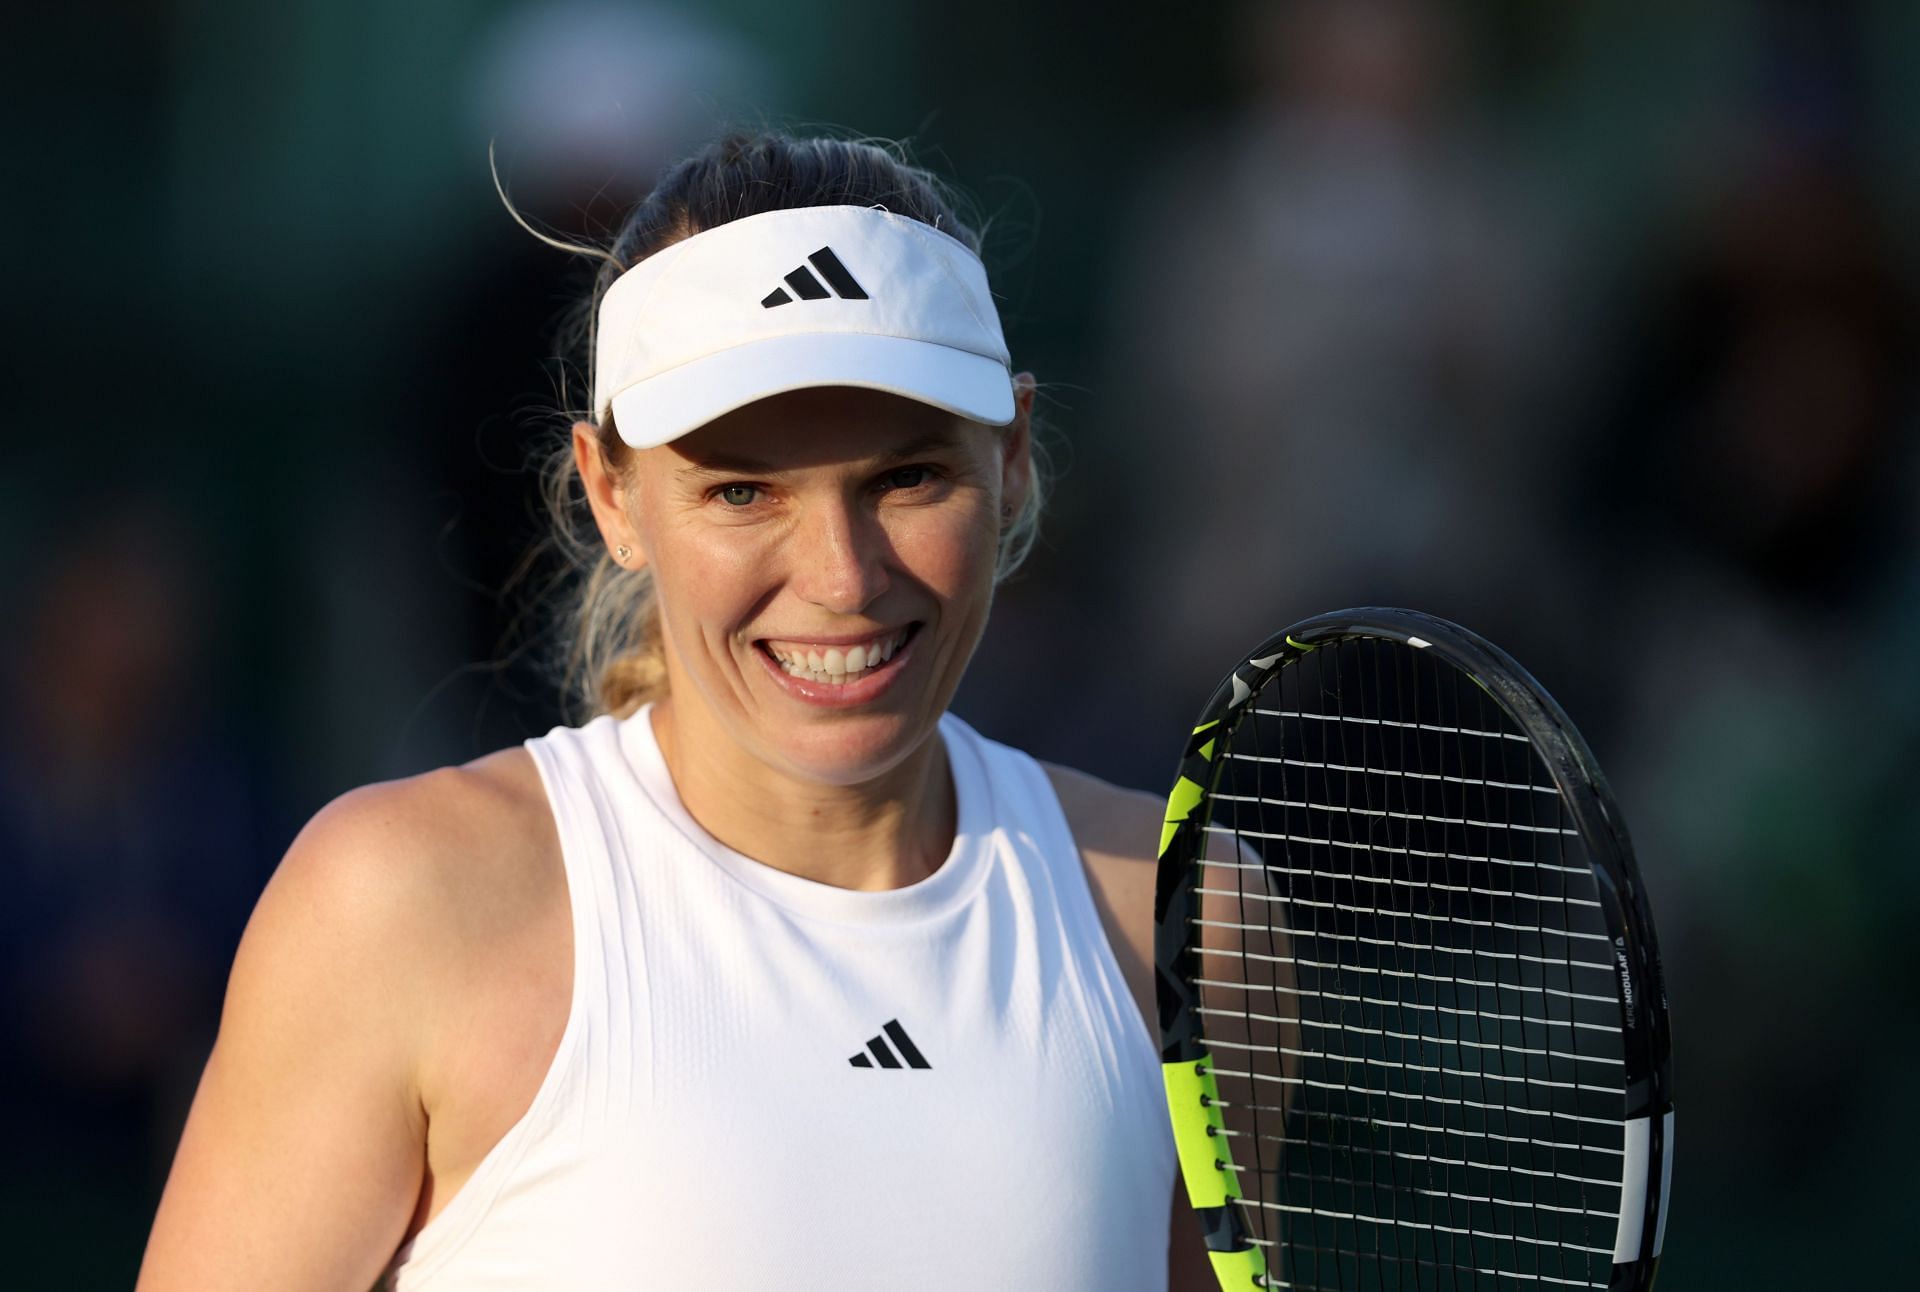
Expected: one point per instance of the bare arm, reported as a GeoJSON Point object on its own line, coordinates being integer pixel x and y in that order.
{"type": "Point", "coordinates": [302, 1157]}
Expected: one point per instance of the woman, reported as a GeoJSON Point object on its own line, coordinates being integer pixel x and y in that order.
{"type": "Point", "coordinates": [772, 974]}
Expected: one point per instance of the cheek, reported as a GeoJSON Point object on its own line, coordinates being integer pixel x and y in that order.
{"type": "Point", "coordinates": [707, 586]}
{"type": "Point", "coordinates": [951, 550]}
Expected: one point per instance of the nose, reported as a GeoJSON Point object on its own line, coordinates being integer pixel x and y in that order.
{"type": "Point", "coordinates": [838, 556]}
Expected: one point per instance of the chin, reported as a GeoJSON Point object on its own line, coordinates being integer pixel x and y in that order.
{"type": "Point", "coordinates": [850, 749]}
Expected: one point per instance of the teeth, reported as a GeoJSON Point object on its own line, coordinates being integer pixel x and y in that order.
{"type": "Point", "coordinates": [835, 665]}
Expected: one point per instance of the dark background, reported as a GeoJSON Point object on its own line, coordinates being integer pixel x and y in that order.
{"type": "Point", "coordinates": [1588, 324]}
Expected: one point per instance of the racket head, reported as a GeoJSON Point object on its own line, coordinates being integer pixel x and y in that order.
{"type": "Point", "coordinates": [1450, 979]}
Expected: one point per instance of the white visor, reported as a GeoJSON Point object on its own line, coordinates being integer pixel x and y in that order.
{"type": "Point", "coordinates": [814, 296]}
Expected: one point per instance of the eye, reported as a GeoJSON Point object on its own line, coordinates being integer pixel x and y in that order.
{"type": "Point", "coordinates": [737, 495]}
{"type": "Point", "coordinates": [908, 477]}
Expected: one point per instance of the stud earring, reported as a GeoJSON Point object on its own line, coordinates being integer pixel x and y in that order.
{"type": "Point", "coordinates": [622, 552]}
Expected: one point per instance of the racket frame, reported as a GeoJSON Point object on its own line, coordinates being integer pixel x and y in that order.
{"type": "Point", "coordinates": [1205, 1155]}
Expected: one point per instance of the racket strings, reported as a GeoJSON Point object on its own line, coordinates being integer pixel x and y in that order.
{"type": "Point", "coordinates": [1406, 816]}
{"type": "Point", "coordinates": [1406, 972]}
{"type": "Point", "coordinates": [1414, 1036]}
{"type": "Point", "coordinates": [1465, 1163]}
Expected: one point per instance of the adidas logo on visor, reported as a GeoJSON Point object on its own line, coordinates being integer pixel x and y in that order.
{"type": "Point", "coordinates": [809, 288]}
{"type": "Point", "coordinates": [883, 1056]}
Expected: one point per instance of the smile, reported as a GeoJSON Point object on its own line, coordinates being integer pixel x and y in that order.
{"type": "Point", "coordinates": [835, 665]}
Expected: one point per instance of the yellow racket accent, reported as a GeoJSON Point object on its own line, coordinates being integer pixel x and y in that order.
{"type": "Point", "coordinates": [1180, 805]}
{"type": "Point", "coordinates": [1239, 1269]}
{"type": "Point", "coordinates": [1193, 1101]}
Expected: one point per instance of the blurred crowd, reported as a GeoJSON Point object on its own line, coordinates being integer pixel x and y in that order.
{"type": "Point", "coordinates": [1590, 328]}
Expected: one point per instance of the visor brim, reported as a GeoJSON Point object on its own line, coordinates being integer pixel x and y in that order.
{"type": "Point", "coordinates": [669, 404]}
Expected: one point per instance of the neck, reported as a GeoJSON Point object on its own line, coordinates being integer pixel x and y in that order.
{"type": "Point", "coordinates": [886, 833]}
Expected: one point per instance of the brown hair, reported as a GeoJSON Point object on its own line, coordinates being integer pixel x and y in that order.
{"type": "Point", "coordinates": [608, 656]}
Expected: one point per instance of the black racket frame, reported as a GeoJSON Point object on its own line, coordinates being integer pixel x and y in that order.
{"type": "Point", "coordinates": [1640, 982]}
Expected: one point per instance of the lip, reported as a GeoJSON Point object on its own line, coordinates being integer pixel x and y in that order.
{"type": "Point", "coordinates": [844, 639]}
{"type": "Point", "coordinates": [847, 694]}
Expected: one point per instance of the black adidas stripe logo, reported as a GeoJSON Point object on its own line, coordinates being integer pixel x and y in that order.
{"type": "Point", "coordinates": [809, 288]}
{"type": "Point", "coordinates": [883, 1056]}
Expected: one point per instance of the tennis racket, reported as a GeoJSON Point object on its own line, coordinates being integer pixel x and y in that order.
{"type": "Point", "coordinates": [1413, 1024]}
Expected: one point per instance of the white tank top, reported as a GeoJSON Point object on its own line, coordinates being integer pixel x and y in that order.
{"type": "Point", "coordinates": [773, 1084]}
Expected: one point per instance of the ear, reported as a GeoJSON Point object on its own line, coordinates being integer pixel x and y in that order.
{"type": "Point", "coordinates": [1016, 445]}
{"type": "Point", "coordinates": [607, 494]}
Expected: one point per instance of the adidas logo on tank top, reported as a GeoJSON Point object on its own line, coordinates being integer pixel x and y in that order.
{"type": "Point", "coordinates": [877, 1046]}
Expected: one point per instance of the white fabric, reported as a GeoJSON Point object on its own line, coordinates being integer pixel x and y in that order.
{"type": "Point", "coordinates": [701, 1126]}
{"type": "Point", "coordinates": [685, 336]}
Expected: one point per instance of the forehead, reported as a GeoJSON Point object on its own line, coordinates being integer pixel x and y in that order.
{"type": "Point", "coordinates": [821, 426]}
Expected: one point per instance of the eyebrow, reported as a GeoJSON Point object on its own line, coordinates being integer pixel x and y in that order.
{"type": "Point", "coordinates": [733, 464]}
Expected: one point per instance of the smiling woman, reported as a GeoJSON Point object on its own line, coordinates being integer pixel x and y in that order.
{"type": "Point", "coordinates": [614, 661]}
{"type": "Point", "coordinates": [807, 526]}
{"type": "Point", "coordinates": [771, 972]}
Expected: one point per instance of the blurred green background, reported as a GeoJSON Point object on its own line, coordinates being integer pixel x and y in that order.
{"type": "Point", "coordinates": [1589, 325]}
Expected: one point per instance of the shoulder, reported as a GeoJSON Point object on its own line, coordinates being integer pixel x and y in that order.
{"type": "Point", "coordinates": [399, 886]}
{"type": "Point", "coordinates": [1116, 825]}
{"type": "Point", "coordinates": [445, 835]}
{"type": "Point", "coordinates": [464, 803]}
{"type": "Point", "coordinates": [1116, 831]}
{"type": "Point", "coordinates": [303, 1155]}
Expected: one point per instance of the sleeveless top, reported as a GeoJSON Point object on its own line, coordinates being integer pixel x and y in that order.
{"type": "Point", "coordinates": [770, 1083]}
